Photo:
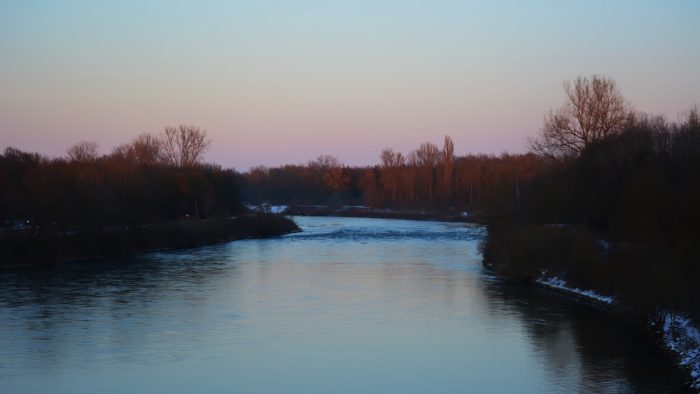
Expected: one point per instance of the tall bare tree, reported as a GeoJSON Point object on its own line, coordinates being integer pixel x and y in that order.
{"type": "Point", "coordinates": [392, 159]}
{"type": "Point", "coordinates": [427, 155]}
{"type": "Point", "coordinates": [595, 109]}
{"type": "Point", "coordinates": [390, 171]}
{"type": "Point", "coordinates": [426, 158]}
{"type": "Point", "coordinates": [184, 145]}
{"type": "Point", "coordinates": [448, 158]}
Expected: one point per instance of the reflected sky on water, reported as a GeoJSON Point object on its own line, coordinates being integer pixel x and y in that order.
{"type": "Point", "coordinates": [347, 306]}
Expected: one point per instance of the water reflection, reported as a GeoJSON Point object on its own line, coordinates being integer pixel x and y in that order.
{"type": "Point", "coordinates": [350, 305]}
{"type": "Point", "coordinates": [596, 349]}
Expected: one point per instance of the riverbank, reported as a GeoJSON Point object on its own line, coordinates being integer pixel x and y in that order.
{"type": "Point", "coordinates": [26, 247]}
{"type": "Point", "coordinates": [676, 333]}
{"type": "Point", "coordinates": [640, 280]}
{"type": "Point", "coordinates": [367, 212]}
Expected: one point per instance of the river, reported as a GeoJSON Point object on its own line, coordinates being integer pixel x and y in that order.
{"type": "Point", "coordinates": [347, 306]}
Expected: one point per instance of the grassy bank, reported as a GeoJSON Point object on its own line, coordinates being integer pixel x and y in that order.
{"type": "Point", "coordinates": [30, 246]}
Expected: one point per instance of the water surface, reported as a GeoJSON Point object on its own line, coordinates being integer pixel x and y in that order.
{"type": "Point", "coordinates": [347, 306]}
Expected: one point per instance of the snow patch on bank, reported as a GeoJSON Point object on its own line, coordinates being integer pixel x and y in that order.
{"type": "Point", "coordinates": [267, 208]}
{"type": "Point", "coordinates": [560, 284]}
{"type": "Point", "coordinates": [682, 337]}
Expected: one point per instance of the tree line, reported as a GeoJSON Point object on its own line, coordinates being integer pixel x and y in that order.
{"type": "Point", "coordinates": [607, 197]}
{"type": "Point", "coordinates": [153, 178]}
{"type": "Point", "coordinates": [429, 177]}
{"type": "Point", "coordinates": [617, 207]}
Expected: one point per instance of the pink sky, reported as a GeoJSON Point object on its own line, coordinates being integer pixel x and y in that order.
{"type": "Point", "coordinates": [278, 83]}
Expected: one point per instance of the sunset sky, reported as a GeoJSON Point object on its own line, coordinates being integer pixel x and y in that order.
{"type": "Point", "coordinates": [283, 81]}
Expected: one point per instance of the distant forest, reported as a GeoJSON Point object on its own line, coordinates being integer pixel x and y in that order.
{"type": "Point", "coordinates": [430, 177]}
{"type": "Point", "coordinates": [154, 178]}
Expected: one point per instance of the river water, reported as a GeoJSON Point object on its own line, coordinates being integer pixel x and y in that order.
{"type": "Point", "coordinates": [347, 306]}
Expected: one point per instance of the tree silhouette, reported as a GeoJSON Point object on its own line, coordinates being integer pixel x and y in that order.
{"type": "Point", "coordinates": [324, 162]}
{"type": "Point", "coordinates": [390, 172]}
{"type": "Point", "coordinates": [594, 111]}
{"type": "Point", "coordinates": [83, 152]}
{"type": "Point", "coordinates": [448, 158]}
{"type": "Point", "coordinates": [184, 145]}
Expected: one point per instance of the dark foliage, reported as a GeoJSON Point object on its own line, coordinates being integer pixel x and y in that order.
{"type": "Point", "coordinates": [68, 196]}
{"type": "Point", "coordinates": [117, 204]}
{"type": "Point", "coordinates": [457, 183]}
{"type": "Point", "coordinates": [622, 217]}
{"type": "Point", "coordinates": [23, 247]}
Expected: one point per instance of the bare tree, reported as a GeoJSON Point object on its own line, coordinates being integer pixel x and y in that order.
{"type": "Point", "coordinates": [426, 158]}
{"type": "Point", "coordinates": [336, 178]}
{"type": "Point", "coordinates": [147, 148]}
{"type": "Point", "coordinates": [144, 149]}
{"type": "Point", "coordinates": [390, 169]}
{"type": "Point", "coordinates": [392, 159]}
{"type": "Point", "coordinates": [325, 162]}
{"type": "Point", "coordinates": [83, 152]}
{"type": "Point", "coordinates": [184, 145]}
{"type": "Point", "coordinates": [427, 155]}
{"type": "Point", "coordinates": [595, 110]}
{"type": "Point", "coordinates": [692, 120]}
{"type": "Point", "coordinates": [448, 158]}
